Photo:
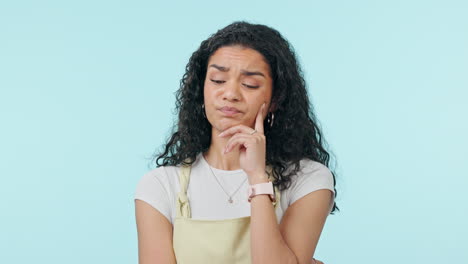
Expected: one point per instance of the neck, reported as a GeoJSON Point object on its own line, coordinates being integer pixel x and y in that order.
{"type": "Point", "coordinates": [215, 157]}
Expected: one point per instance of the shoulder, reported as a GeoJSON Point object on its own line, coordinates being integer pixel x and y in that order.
{"type": "Point", "coordinates": [312, 176]}
{"type": "Point", "coordinates": [310, 170]}
{"type": "Point", "coordinates": [157, 187]}
{"type": "Point", "coordinates": [161, 175]}
{"type": "Point", "coordinates": [314, 170]}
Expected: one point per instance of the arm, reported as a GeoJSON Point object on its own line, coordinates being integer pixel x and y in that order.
{"type": "Point", "coordinates": [267, 243]}
{"type": "Point", "coordinates": [295, 239]}
{"type": "Point", "coordinates": [154, 235]}
{"type": "Point", "coordinates": [303, 223]}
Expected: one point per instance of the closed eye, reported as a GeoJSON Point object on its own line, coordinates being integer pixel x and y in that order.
{"type": "Point", "coordinates": [246, 85]}
{"type": "Point", "coordinates": [250, 86]}
{"type": "Point", "coordinates": [218, 81]}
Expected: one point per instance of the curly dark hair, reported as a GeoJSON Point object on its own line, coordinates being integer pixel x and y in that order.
{"type": "Point", "coordinates": [295, 133]}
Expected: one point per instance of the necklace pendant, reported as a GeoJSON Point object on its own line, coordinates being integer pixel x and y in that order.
{"type": "Point", "coordinates": [230, 200]}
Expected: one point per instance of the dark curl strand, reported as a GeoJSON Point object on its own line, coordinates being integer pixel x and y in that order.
{"type": "Point", "coordinates": [295, 133]}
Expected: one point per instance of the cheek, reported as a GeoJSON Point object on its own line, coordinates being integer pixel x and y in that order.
{"type": "Point", "coordinates": [207, 93]}
{"type": "Point", "coordinates": [209, 99]}
{"type": "Point", "coordinates": [268, 96]}
{"type": "Point", "coordinates": [208, 87]}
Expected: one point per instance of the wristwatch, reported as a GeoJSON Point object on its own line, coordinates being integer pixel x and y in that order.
{"type": "Point", "coordinates": [262, 188]}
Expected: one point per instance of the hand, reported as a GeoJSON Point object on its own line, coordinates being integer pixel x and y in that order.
{"type": "Point", "coordinates": [316, 261]}
{"type": "Point", "coordinates": [252, 147]}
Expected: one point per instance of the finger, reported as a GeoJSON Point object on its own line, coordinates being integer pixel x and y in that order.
{"type": "Point", "coordinates": [242, 135]}
{"type": "Point", "coordinates": [237, 141]}
{"type": "Point", "coordinates": [259, 120]}
{"type": "Point", "coordinates": [236, 129]}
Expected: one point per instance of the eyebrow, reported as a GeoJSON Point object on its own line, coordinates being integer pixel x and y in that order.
{"type": "Point", "coordinates": [244, 72]}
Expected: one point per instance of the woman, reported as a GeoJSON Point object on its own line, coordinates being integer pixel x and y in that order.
{"type": "Point", "coordinates": [244, 177]}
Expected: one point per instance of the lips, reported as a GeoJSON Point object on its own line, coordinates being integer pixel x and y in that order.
{"type": "Point", "coordinates": [229, 110]}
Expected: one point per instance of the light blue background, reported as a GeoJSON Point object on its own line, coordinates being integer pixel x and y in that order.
{"type": "Point", "coordinates": [87, 94]}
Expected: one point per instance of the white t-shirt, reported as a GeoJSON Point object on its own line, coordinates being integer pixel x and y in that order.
{"type": "Point", "coordinates": [159, 188]}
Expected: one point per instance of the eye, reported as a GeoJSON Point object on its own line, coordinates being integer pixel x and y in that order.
{"type": "Point", "coordinates": [218, 81]}
{"type": "Point", "coordinates": [250, 86]}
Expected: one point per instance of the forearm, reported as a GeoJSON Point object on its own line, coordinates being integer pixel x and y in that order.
{"type": "Point", "coordinates": [267, 244]}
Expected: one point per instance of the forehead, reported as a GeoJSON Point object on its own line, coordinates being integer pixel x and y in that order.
{"type": "Point", "coordinates": [239, 57]}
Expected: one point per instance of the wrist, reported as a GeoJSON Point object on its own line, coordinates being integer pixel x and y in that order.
{"type": "Point", "coordinates": [258, 178]}
{"type": "Point", "coordinates": [260, 189]}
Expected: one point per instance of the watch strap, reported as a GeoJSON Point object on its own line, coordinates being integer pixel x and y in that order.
{"type": "Point", "coordinates": [262, 188]}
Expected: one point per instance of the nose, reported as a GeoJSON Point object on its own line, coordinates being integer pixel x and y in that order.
{"type": "Point", "coordinates": [231, 91]}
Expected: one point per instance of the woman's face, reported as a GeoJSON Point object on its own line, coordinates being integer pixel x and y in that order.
{"type": "Point", "coordinates": [239, 78]}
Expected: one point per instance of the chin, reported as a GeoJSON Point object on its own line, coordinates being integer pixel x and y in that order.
{"type": "Point", "coordinates": [225, 125]}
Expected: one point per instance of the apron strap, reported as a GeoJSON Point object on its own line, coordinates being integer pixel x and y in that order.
{"type": "Point", "coordinates": [183, 205]}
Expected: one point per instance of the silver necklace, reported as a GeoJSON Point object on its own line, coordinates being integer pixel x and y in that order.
{"type": "Point", "coordinates": [230, 196]}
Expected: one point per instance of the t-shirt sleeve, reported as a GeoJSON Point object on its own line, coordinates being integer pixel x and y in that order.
{"type": "Point", "coordinates": [312, 177]}
{"type": "Point", "coordinates": [150, 189]}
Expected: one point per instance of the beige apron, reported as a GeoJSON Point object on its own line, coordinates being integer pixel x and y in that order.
{"type": "Point", "coordinates": [209, 241]}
